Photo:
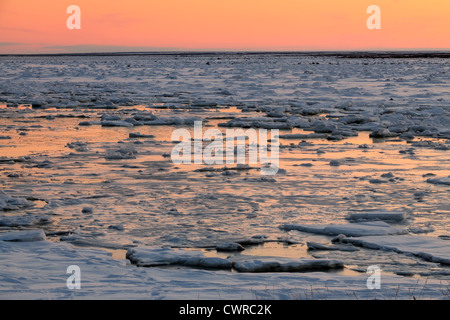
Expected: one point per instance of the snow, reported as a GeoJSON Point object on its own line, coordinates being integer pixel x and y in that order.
{"type": "Point", "coordinates": [27, 274]}
{"type": "Point", "coordinates": [431, 249]}
{"type": "Point", "coordinates": [376, 228]}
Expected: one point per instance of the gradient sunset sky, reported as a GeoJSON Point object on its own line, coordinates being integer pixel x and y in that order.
{"type": "Point", "coordinates": [33, 26]}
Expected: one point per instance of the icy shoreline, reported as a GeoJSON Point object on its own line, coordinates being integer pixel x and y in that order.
{"type": "Point", "coordinates": [37, 270]}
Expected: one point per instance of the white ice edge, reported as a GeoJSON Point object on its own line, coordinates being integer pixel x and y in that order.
{"type": "Point", "coordinates": [431, 249]}
{"type": "Point", "coordinates": [375, 228]}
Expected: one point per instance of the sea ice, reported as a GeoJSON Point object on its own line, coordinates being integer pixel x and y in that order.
{"type": "Point", "coordinates": [116, 123]}
{"type": "Point", "coordinates": [278, 264]}
{"type": "Point", "coordinates": [23, 221]}
{"type": "Point", "coordinates": [318, 246]}
{"type": "Point", "coordinates": [232, 246]}
{"type": "Point", "coordinates": [376, 228]}
{"type": "Point", "coordinates": [12, 203]}
{"type": "Point", "coordinates": [23, 236]}
{"type": "Point", "coordinates": [151, 256]}
{"type": "Point", "coordinates": [377, 215]}
{"type": "Point", "coordinates": [428, 248]}
{"type": "Point", "coordinates": [444, 180]}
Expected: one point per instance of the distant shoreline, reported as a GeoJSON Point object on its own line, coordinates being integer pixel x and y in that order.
{"type": "Point", "coordinates": [339, 54]}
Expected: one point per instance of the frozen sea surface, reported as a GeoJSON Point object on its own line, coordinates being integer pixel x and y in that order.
{"type": "Point", "coordinates": [85, 145]}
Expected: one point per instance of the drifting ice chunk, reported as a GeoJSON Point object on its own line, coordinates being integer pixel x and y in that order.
{"type": "Point", "coordinates": [382, 133]}
{"type": "Point", "coordinates": [23, 236]}
{"type": "Point", "coordinates": [116, 123]}
{"type": "Point", "coordinates": [140, 135]}
{"type": "Point", "coordinates": [303, 136]}
{"type": "Point", "coordinates": [11, 203]}
{"type": "Point", "coordinates": [377, 228]}
{"type": "Point", "coordinates": [377, 215]}
{"type": "Point", "coordinates": [230, 247]}
{"type": "Point", "coordinates": [319, 246]}
{"type": "Point", "coordinates": [277, 264]}
{"type": "Point", "coordinates": [431, 249]}
{"type": "Point", "coordinates": [125, 152]}
{"type": "Point", "coordinates": [149, 257]}
{"type": "Point", "coordinates": [445, 180]}
{"type": "Point", "coordinates": [23, 221]}
{"type": "Point", "coordinates": [110, 117]}
{"type": "Point", "coordinates": [89, 123]}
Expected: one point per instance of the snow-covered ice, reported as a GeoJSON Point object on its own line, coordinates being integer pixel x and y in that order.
{"type": "Point", "coordinates": [432, 249]}
{"type": "Point", "coordinates": [277, 264]}
{"type": "Point", "coordinates": [376, 228]}
{"type": "Point", "coordinates": [148, 257]}
{"type": "Point", "coordinates": [319, 246]}
{"type": "Point", "coordinates": [444, 181]}
{"type": "Point", "coordinates": [378, 215]}
{"type": "Point", "coordinates": [23, 236]}
{"type": "Point", "coordinates": [85, 155]}
{"type": "Point", "coordinates": [8, 203]}
{"type": "Point", "coordinates": [23, 276]}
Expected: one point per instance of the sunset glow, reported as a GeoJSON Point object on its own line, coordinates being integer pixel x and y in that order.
{"type": "Point", "coordinates": [136, 25]}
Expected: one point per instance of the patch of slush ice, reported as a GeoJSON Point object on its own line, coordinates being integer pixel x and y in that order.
{"type": "Point", "coordinates": [376, 228]}
{"type": "Point", "coordinates": [431, 249]}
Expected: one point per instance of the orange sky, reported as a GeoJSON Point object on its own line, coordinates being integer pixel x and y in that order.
{"type": "Point", "coordinates": [32, 26]}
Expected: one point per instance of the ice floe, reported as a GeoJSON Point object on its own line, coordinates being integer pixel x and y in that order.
{"type": "Point", "coordinates": [150, 257]}
{"type": "Point", "coordinates": [376, 228]}
{"type": "Point", "coordinates": [13, 203]}
{"type": "Point", "coordinates": [377, 215]}
{"type": "Point", "coordinates": [27, 274]}
{"type": "Point", "coordinates": [23, 236]}
{"type": "Point", "coordinates": [230, 246]}
{"type": "Point", "coordinates": [278, 264]}
{"type": "Point", "coordinates": [24, 220]}
{"type": "Point", "coordinates": [324, 247]}
{"type": "Point", "coordinates": [428, 248]}
{"type": "Point", "coordinates": [444, 180]}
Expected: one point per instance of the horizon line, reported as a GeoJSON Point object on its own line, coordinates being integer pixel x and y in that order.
{"type": "Point", "coordinates": [442, 53]}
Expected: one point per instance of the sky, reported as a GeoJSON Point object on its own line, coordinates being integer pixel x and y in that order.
{"type": "Point", "coordinates": [39, 26]}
